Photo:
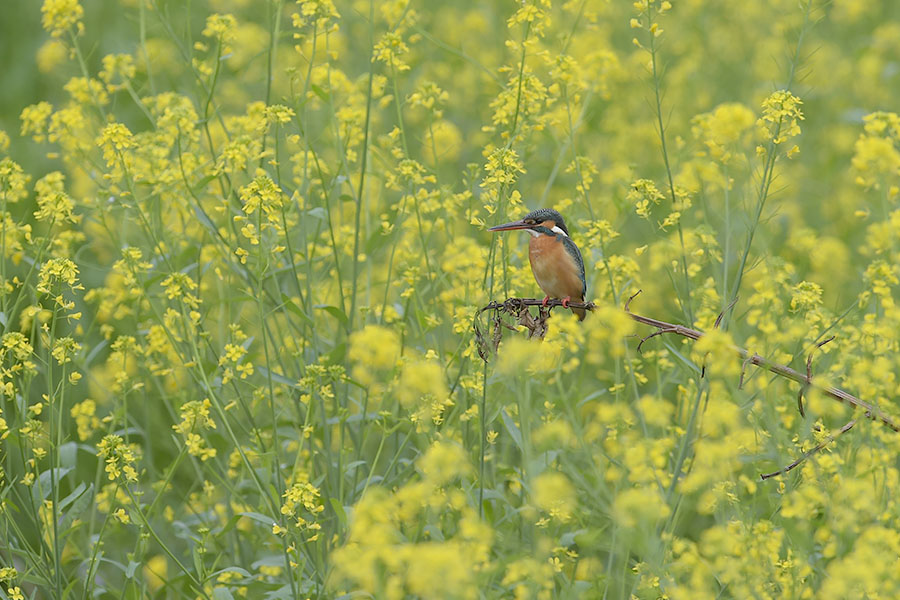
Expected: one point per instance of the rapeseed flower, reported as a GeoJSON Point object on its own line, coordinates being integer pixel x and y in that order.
{"type": "Point", "coordinates": [60, 16]}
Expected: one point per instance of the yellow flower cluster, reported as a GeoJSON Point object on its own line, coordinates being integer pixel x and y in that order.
{"type": "Point", "coordinates": [118, 457]}
{"type": "Point", "coordinates": [781, 116]}
{"type": "Point", "coordinates": [60, 16]}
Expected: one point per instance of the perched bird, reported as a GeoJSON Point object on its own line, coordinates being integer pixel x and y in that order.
{"type": "Point", "coordinates": [555, 259]}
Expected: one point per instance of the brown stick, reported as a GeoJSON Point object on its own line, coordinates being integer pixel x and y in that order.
{"type": "Point", "coordinates": [513, 305]}
{"type": "Point", "coordinates": [824, 443]}
{"type": "Point", "coordinates": [779, 369]}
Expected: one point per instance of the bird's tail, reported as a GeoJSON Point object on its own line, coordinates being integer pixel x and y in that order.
{"type": "Point", "coordinates": [580, 313]}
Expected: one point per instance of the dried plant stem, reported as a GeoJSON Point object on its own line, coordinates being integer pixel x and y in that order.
{"type": "Point", "coordinates": [783, 370]}
{"type": "Point", "coordinates": [515, 307]}
{"type": "Point", "coordinates": [806, 455]}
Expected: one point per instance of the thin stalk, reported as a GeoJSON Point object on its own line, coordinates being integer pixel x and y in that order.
{"type": "Point", "coordinates": [483, 422]}
{"type": "Point", "coordinates": [362, 170]}
{"type": "Point", "coordinates": [771, 156]}
{"type": "Point", "coordinates": [54, 462]}
{"type": "Point", "coordinates": [686, 301]}
{"type": "Point", "coordinates": [270, 63]}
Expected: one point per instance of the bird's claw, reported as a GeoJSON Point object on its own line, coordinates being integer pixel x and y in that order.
{"type": "Point", "coordinates": [565, 301]}
{"type": "Point", "coordinates": [544, 301]}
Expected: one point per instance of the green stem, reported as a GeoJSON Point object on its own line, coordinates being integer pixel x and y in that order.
{"type": "Point", "coordinates": [362, 169]}
{"type": "Point", "coordinates": [771, 156]}
{"type": "Point", "coordinates": [686, 300]}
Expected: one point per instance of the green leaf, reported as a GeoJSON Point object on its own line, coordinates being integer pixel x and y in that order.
{"type": "Point", "coordinates": [202, 183]}
{"type": "Point", "coordinates": [275, 376]}
{"type": "Point", "coordinates": [293, 308]}
{"type": "Point", "coordinates": [318, 91]}
{"type": "Point", "coordinates": [265, 520]}
{"type": "Point", "coordinates": [339, 511]}
{"type": "Point", "coordinates": [335, 312]}
{"type": "Point", "coordinates": [222, 593]}
{"type": "Point", "coordinates": [336, 356]}
{"type": "Point", "coordinates": [512, 428]}
{"type": "Point", "coordinates": [131, 568]}
{"type": "Point", "coordinates": [45, 480]}
{"type": "Point", "coordinates": [80, 500]}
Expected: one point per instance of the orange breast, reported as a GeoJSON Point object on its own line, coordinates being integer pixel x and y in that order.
{"type": "Point", "coordinates": [554, 268]}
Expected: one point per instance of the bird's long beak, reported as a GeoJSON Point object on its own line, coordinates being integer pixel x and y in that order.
{"type": "Point", "coordinates": [510, 226]}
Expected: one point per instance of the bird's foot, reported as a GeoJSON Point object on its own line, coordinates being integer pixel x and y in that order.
{"type": "Point", "coordinates": [565, 301]}
{"type": "Point", "coordinates": [544, 301]}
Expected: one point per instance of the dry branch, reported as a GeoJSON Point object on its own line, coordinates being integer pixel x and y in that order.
{"type": "Point", "coordinates": [779, 369]}
{"type": "Point", "coordinates": [537, 326]}
{"type": "Point", "coordinates": [818, 447]}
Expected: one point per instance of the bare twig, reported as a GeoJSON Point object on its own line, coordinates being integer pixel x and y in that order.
{"type": "Point", "coordinates": [808, 376]}
{"type": "Point", "coordinates": [537, 326]}
{"type": "Point", "coordinates": [743, 372]}
{"type": "Point", "coordinates": [783, 370]}
{"type": "Point", "coordinates": [518, 308]}
{"type": "Point", "coordinates": [722, 314]}
{"type": "Point", "coordinates": [806, 455]}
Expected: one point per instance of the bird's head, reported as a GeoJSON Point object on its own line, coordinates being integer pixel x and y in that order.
{"type": "Point", "coordinates": [542, 220]}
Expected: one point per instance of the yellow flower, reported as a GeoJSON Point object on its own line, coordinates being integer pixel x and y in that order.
{"type": "Point", "coordinates": [54, 204]}
{"type": "Point", "coordinates": [115, 139]}
{"type": "Point", "coordinates": [390, 48]}
{"type": "Point", "coordinates": [263, 194]}
{"type": "Point", "coordinates": [156, 571]}
{"type": "Point", "coordinates": [373, 351]}
{"type": "Point", "coordinates": [780, 118]}
{"type": "Point", "coordinates": [221, 28]}
{"type": "Point", "coordinates": [119, 458]}
{"type": "Point", "coordinates": [419, 379]}
{"type": "Point", "coordinates": [177, 285]}
{"type": "Point", "coordinates": [50, 55]}
{"type": "Point", "coordinates": [195, 415]}
{"type": "Point", "coordinates": [315, 12]}
{"type": "Point", "coordinates": [721, 128]}
{"type": "Point", "coordinates": [640, 507]}
{"type": "Point", "coordinates": [56, 271]}
{"type": "Point", "coordinates": [117, 66]}
{"type": "Point", "coordinates": [87, 91]}
{"type": "Point", "coordinates": [716, 352]}
{"type": "Point", "coordinates": [64, 349]}
{"type": "Point", "coordinates": [643, 194]}
{"type": "Point", "coordinates": [278, 113]}
{"type": "Point", "coordinates": [554, 494]}
{"type": "Point", "coordinates": [806, 295]}
{"type": "Point", "coordinates": [443, 463]}
{"type": "Point", "coordinates": [86, 421]}
{"type": "Point", "coordinates": [122, 516]}
{"type": "Point", "coordinates": [59, 16]}
{"type": "Point", "coordinates": [12, 181]}
{"type": "Point", "coordinates": [503, 167]}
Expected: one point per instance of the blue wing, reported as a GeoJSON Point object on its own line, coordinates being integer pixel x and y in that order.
{"type": "Point", "coordinates": [573, 250]}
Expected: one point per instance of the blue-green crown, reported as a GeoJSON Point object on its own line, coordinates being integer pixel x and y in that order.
{"type": "Point", "coordinates": [547, 214]}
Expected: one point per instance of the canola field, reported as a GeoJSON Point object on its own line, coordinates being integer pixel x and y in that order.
{"type": "Point", "coordinates": [244, 247]}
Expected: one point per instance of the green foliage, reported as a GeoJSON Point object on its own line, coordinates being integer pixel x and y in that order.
{"type": "Point", "coordinates": [242, 245]}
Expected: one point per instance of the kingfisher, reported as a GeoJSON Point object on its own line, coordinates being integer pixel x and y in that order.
{"type": "Point", "coordinates": [555, 259]}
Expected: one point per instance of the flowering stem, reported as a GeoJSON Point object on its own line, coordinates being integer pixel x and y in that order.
{"type": "Point", "coordinates": [362, 169]}
{"type": "Point", "coordinates": [54, 459]}
{"type": "Point", "coordinates": [771, 156]}
{"type": "Point", "coordinates": [483, 422]}
{"type": "Point", "coordinates": [511, 306]}
{"type": "Point", "coordinates": [612, 283]}
{"type": "Point", "coordinates": [135, 502]}
{"type": "Point", "coordinates": [686, 300]}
